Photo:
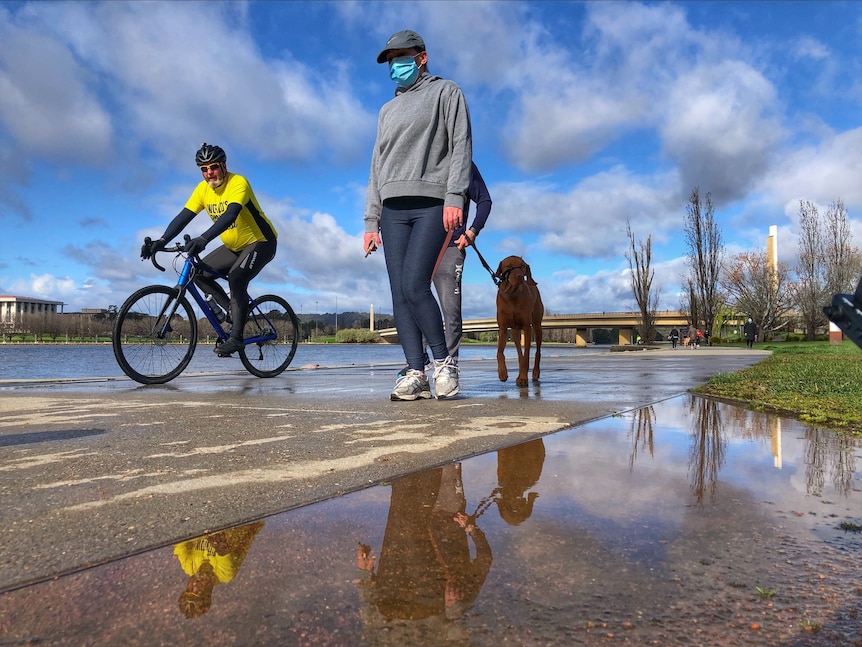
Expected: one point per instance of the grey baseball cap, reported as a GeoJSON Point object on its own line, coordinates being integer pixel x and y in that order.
{"type": "Point", "coordinates": [402, 40]}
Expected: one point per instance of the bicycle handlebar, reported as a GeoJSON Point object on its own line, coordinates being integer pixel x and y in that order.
{"type": "Point", "coordinates": [179, 248]}
{"type": "Point", "coordinates": [176, 248]}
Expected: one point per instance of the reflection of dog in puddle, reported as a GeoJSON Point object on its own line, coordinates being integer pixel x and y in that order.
{"type": "Point", "coordinates": [519, 308]}
{"type": "Point", "coordinates": [519, 468]}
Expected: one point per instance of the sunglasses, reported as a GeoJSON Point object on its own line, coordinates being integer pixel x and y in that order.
{"type": "Point", "coordinates": [211, 167]}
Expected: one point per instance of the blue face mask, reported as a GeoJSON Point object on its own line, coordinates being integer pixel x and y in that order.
{"type": "Point", "coordinates": [404, 71]}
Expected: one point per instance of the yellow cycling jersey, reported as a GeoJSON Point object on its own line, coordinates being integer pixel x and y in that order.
{"type": "Point", "coordinates": [250, 226]}
{"type": "Point", "coordinates": [192, 555]}
{"type": "Point", "coordinates": [235, 543]}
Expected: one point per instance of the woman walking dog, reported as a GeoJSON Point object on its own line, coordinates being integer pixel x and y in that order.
{"type": "Point", "coordinates": [417, 189]}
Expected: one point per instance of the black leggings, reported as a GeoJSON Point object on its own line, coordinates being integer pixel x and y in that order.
{"type": "Point", "coordinates": [413, 237]}
{"type": "Point", "coordinates": [241, 267]}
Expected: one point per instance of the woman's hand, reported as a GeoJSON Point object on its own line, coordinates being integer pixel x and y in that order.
{"type": "Point", "coordinates": [364, 558]}
{"type": "Point", "coordinates": [465, 240]}
{"type": "Point", "coordinates": [453, 217]}
{"type": "Point", "coordinates": [371, 242]}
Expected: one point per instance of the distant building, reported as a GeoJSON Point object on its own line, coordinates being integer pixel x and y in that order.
{"type": "Point", "coordinates": [12, 309]}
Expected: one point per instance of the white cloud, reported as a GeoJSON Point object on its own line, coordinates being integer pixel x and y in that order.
{"type": "Point", "coordinates": [47, 286]}
{"type": "Point", "coordinates": [46, 105]}
{"type": "Point", "coordinates": [821, 172]}
{"type": "Point", "coordinates": [588, 220]}
{"type": "Point", "coordinates": [720, 128]}
{"type": "Point", "coordinates": [808, 47]}
{"type": "Point", "coordinates": [173, 72]}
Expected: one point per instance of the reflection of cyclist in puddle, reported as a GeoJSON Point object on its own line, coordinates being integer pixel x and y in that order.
{"type": "Point", "coordinates": [210, 560]}
{"type": "Point", "coordinates": [426, 574]}
{"type": "Point", "coordinates": [518, 469]}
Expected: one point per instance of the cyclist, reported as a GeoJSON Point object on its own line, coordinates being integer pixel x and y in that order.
{"type": "Point", "coordinates": [248, 237]}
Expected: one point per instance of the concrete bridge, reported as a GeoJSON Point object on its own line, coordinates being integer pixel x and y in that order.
{"type": "Point", "coordinates": [583, 324]}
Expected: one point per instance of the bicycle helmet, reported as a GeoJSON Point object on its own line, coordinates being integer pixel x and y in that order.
{"type": "Point", "coordinates": [209, 154]}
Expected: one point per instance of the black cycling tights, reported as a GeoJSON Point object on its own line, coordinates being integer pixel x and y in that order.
{"type": "Point", "coordinates": [241, 267]}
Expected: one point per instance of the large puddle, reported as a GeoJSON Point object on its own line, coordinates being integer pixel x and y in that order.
{"type": "Point", "coordinates": [687, 522]}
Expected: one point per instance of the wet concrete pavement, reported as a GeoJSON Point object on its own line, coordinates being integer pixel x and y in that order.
{"type": "Point", "coordinates": [94, 470]}
{"type": "Point", "coordinates": [653, 517]}
{"type": "Point", "coordinates": [683, 521]}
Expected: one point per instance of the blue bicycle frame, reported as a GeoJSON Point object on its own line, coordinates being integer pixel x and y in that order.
{"type": "Point", "coordinates": [185, 284]}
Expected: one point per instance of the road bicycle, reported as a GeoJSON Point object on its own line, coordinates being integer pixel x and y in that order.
{"type": "Point", "coordinates": [156, 330]}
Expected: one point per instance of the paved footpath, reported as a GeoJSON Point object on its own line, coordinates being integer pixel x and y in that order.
{"type": "Point", "coordinates": [98, 469]}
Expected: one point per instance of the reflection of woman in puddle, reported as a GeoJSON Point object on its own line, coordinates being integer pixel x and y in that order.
{"type": "Point", "coordinates": [425, 573]}
{"type": "Point", "coordinates": [450, 531]}
{"type": "Point", "coordinates": [210, 560]}
{"type": "Point", "coordinates": [518, 469]}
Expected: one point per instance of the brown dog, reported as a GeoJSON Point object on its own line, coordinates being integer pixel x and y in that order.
{"type": "Point", "coordinates": [519, 307]}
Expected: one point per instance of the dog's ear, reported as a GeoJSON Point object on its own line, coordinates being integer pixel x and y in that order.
{"type": "Point", "coordinates": [499, 272]}
{"type": "Point", "coordinates": [529, 275]}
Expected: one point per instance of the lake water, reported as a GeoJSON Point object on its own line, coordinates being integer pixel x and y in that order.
{"type": "Point", "coordinates": [69, 361]}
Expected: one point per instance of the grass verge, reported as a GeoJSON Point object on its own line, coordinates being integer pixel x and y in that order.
{"type": "Point", "coordinates": [816, 382]}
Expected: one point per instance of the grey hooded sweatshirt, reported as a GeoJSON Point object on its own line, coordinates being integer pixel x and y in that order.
{"type": "Point", "coordinates": [424, 147]}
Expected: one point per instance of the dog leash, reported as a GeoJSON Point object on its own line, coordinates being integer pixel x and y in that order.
{"type": "Point", "coordinates": [482, 259]}
{"type": "Point", "coordinates": [440, 255]}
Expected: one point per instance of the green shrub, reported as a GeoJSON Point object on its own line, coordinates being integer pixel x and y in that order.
{"type": "Point", "coordinates": [357, 336]}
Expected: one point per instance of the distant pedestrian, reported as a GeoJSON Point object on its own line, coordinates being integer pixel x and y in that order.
{"type": "Point", "coordinates": [674, 338]}
{"type": "Point", "coordinates": [749, 330]}
{"type": "Point", "coordinates": [692, 336]}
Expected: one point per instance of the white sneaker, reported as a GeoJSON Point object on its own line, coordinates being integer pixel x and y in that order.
{"type": "Point", "coordinates": [446, 374]}
{"type": "Point", "coordinates": [411, 386]}
{"type": "Point", "coordinates": [429, 368]}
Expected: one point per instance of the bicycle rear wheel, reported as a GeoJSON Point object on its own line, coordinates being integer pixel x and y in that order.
{"type": "Point", "coordinates": [149, 348]}
{"type": "Point", "coordinates": [272, 320]}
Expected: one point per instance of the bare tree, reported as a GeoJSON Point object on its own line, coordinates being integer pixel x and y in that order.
{"type": "Point", "coordinates": [708, 448]}
{"type": "Point", "coordinates": [809, 291]}
{"type": "Point", "coordinates": [828, 262]}
{"type": "Point", "coordinates": [758, 290]}
{"type": "Point", "coordinates": [705, 258]}
{"type": "Point", "coordinates": [639, 257]}
{"type": "Point", "coordinates": [642, 433]}
{"type": "Point", "coordinates": [843, 260]}
{"type": "Point", "coordinates": [688, 302]}
{"type": "Point", "coordinates": [68, 325]}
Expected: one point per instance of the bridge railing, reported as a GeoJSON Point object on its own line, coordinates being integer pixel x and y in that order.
{"type": "Point", "coordinates": [626, 321]}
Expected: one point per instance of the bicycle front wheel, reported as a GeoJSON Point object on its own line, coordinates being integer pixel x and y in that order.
{"type": "Point", "coordinates": [271, 334]}
{"type": "Point", "coordinates": [155, 335]}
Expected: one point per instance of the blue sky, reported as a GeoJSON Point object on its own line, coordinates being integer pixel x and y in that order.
{"type": "Point", "coordinates": [585, 115]}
